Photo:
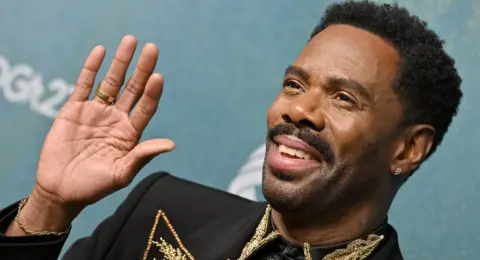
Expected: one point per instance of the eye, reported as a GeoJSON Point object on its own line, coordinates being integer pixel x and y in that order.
{"type": "Point", "coordinates": [292, 84]}
{"type": "Point", "coordinates": [344, 98]}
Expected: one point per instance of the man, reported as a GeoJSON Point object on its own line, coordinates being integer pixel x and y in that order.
{"type": "Point", "coordinates": [367, 101]}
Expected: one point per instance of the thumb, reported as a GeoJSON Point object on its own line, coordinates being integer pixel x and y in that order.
{"type": "Point", "coordinates": [139, 156]}
{"type": "Point", "coordinates": [152, 147]}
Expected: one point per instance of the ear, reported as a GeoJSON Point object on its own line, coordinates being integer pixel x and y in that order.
{"type": "Point", "coordinates": [411, 149]}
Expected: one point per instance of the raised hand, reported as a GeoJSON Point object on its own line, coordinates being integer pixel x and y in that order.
{"type": "Point", "coordinates": [92, 148]}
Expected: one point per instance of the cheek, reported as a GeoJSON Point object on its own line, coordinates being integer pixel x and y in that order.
{"type": "Point", "coordinates": [354, 137]}
{"type": "Point", "coordinates": [350, 133]}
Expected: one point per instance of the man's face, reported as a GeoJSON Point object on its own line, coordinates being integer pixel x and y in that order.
{"type": "Point", "coordinates": [332, 128]}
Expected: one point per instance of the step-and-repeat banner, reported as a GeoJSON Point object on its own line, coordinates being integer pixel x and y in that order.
{"type": "Point", "coordinates": [223, 61]}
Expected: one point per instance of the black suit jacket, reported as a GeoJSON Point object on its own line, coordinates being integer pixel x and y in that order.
{"type": "Point", "coordinates": [211, 224]}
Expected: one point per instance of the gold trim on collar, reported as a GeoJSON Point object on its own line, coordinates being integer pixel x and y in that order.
{"type": "Point", "coordinates": [169, 252]}
{"type": "Point", "coordinates": [259, 238]}
{"type": "Point", "coordinates": [359, 249]}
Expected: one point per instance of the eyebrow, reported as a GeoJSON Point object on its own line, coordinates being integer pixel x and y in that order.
{"type": "Point", "coordinates": [299, 72]}
{"type": "Point", "coordinates": [349, 84]}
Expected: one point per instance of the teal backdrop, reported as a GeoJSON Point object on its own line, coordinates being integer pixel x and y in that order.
{"type": "Point", "coordinates": [223, 61]}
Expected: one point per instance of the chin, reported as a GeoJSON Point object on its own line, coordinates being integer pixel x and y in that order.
{"type": "Point", "coordinates": [284, 194]}
{"type": "Point", "coordinates": [317, 191]}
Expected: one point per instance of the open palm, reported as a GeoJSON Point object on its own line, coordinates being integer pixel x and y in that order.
{"type": "Point", "coordinates": [92, 148]}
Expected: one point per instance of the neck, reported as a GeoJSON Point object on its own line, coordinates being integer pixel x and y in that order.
{"type": "Point", "coordinates": [326, 231]}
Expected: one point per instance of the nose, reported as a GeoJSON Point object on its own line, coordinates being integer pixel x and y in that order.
{"type": "Point", "coordinates": [305, 111]}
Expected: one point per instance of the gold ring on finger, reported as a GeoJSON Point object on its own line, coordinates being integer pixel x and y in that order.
{"type": "Point", "coordinates": [110, 100]}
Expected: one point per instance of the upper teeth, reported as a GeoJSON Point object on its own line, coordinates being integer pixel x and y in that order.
{"type": "Point", "coordinates": [294, 152]}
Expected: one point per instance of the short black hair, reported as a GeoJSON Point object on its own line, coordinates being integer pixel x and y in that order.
{"type": "Point", "coordinates": [427, 82]}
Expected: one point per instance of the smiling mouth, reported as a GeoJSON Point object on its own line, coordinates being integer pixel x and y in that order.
{"type": "Point", "coordinates": [292, 156]}
{"type": "Point", "coordinates": [294, 147]}
{"type": "Point", "coordinates": [293, 153]}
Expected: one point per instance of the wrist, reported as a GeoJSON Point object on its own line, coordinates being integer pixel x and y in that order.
{"type": "Point", "coordinates": [41, 214]}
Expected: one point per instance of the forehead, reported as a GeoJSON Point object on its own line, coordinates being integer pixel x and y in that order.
{"type": "Point", "coordinates": [347, 51]}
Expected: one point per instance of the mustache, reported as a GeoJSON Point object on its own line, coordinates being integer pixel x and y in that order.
{"type": "Point", "coordinates": [306, 135]}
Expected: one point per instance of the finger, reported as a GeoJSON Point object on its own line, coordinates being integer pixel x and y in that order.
{"type": "Point", "coordinates": [141, 154]}
{"type": "Point", "coordinates": [86, 79]}
{"type": "Point", "coordinates": [148, 103]}
{"type": "Point", "coordinates": [136, 85]}
{"type": "Point", "coordinates": [115, 77]}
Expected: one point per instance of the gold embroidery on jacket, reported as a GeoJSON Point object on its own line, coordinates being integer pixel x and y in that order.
{"type": "Point", "coordinates": [259, 239]}
{"type": "Point", "coordinates": [359, 249]}
{"type": "Point", "coordinates": [168, 251]}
